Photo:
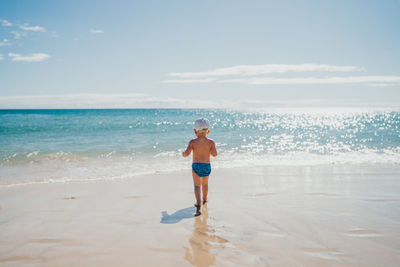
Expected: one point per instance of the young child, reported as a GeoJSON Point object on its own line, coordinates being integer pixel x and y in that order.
{"type": "Point", "coordinates": [202, 148]}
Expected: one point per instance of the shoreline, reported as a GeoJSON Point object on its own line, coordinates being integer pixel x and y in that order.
{"type": "Point", "coordinates": [132, 176]}
{"type": "Point", "coordinates": [278, 216]}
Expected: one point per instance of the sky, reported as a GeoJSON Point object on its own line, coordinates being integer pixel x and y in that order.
{"type": "Point", "coordinates": [136, 54]}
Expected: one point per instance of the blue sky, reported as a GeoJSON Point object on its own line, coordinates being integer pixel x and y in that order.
{"type": "Point", "coordinates": [198, 53]}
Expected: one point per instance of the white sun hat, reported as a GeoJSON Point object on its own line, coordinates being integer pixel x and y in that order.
{"type": "Point", "coordinates": [201, 124]}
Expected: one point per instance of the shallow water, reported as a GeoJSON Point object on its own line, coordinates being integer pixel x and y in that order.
{"type": "Point", "coordinates": [66, 145]}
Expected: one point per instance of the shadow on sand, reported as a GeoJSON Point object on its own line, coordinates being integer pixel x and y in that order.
{"type": "Point", "coordinates": [177, 216]}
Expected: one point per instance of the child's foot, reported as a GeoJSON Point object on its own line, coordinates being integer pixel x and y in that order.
{"type": "Point", "coordinates": [197, 210]}
{"type": "Point", "coordinates": [205, 201]}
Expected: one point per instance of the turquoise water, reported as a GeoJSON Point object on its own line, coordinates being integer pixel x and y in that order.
{"type": "Point", "coordinates": [64, 145]}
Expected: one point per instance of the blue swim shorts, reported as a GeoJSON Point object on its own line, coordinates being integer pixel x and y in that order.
{"type": "Point", "coordinates": [201, 169]}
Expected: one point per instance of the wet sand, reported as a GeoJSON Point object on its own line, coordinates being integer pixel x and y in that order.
{"type": "Point", "coordinates": [260, 216]}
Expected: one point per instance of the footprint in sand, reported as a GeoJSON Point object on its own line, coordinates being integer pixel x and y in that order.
{"type": "Point", "coordinates": [360, 232]}
{"type": "Point", "coordinates": [69, 197]}
{"type": "Point", "coordinates": [323, 253]}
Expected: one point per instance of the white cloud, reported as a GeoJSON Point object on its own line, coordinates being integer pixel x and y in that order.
{"type": "Point", "coordinates": [18, 35]}
{"type": "Point", "coordinates": [1, 57]}
{"type": "Point", "coordinates": [5, 23]}
{"type": "Point", "coordinates": [255, 74]}
{"type": "Point", "coordinates": [206, 80]}
{"type": "Point", "coordinates": [96, 31]}
{"type": "Point", "coordinates": [36, 57]}
{"type": "Point", "coordinates": [372, 80]}
{"type": "Point", "coordinates": [329, 80]}
{"type": "Point", "coordinates": [147, 101]}
{"type": "Point", "coordinates": [383, 84]}
{"type": "Point", "coordinates": [5, 42]}
{"type": "Point", "coordinates": [100, 101]}
{"type": "Point", "coordinates": [248, 70]}
{"type": "Point", "coordinates": [26, 27]}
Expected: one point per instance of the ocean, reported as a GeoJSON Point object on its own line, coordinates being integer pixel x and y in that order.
{"type": "Point", "coordinates": [45, 146]}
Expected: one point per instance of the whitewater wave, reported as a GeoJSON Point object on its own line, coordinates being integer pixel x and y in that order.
{"type": "Point", "coordinates": [63, 167]}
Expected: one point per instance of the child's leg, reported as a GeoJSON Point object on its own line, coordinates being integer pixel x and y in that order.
{"type": "Point", "coordinates": [204, 185]}
{"type": "Point", "coordinates": [196, 183]}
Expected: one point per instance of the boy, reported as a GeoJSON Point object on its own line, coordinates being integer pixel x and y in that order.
{"type": "Point", "coordinates": [202, 149]}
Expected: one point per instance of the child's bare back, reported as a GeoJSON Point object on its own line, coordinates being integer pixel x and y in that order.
{"type": "Point", "coordinates": [202, 148]}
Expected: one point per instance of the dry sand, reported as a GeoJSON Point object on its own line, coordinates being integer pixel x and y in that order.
{"type": "Point", "coordinates": [270, 216]}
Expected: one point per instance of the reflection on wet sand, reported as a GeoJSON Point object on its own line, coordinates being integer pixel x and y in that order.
{"type": "Point", "coordinates": [202, 242]}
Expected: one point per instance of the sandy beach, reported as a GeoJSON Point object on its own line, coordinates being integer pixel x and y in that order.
{"type": "Point", "coordinates": [106, 105]}
{"type": "Point", "coordinates": [260, 216]}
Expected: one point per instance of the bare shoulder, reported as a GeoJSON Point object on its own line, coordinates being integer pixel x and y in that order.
{"type": "Point", "coordinates": [211, 142]}
{"type": "Point", "coordinates": [191, 142]}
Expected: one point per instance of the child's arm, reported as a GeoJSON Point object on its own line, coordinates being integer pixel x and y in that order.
{"type": "Point", "coordinates": [213, 151]}
{"type": "Point", "coordinates": [188, 149]}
